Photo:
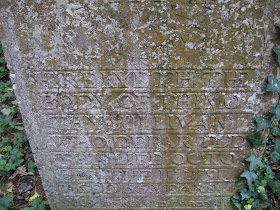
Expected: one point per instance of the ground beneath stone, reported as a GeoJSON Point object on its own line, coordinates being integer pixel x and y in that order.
{"type": "Point", "coordinates": [20, 183]}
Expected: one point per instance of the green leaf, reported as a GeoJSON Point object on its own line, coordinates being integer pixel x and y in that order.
{"type": "Point", "coordinates": [12, 124]}
{"type": "Point", "coordinates": [236, 203]}
{"type": "Point", "coordinates": [269, 175]}
{"type": "Point", "coordinates": [241, 182]}
{"type": "Point", "coordinates": [250, 201]}
{"type": "Point", "coordinates": [264, 141]}
{"type": "Point", "coordinates": [3, 162]}
{"type": "Point", "coordinates": [270, 136]}
{"type": "Point", "coordinates": [36, 201]}
{"type": "Point", "coordinates": [263, 205]}
{"type": "Point", "coordinates": [277, 144]}
{"type": "Point", "coordinates": [30, 166]}
{"type": "Point", "coordinates": [16, 152]}
{"type": "Point", "coordinates": [5, 140]}
{"type": "Point", "coordinates": [250, 177]}
{"type": "Point", "coordinates": [6, 111]}
{"type": "Point", "coordinates": [262, 123]}
{"type": "Point", "coordinates": [237, 197]}
{"type": "Point", "coordinates": [255, 139]}
{"type": "Point", "coordinates": [2, 60]}
{"type": "Point", "coordinates": [6, 202]}
{"type": "Point", "coordinates": [262, 192]}
{"type": "Point", "coordinates": [245, 194]}
{"type": "Point", "coordinates": [277, 51]}
{"type": "Point", "coordinates": [248, 207]}
{"type": "Point", "coordinates": [276, 112]}
{"type": "Point", "coordinates": [275, 186]}
{"type": "Point", "coordinates": [19, 162]}
{"type": "Point", "coordinates": [18, 135]}
{"type": "Point", "coordinates": [255, 162]}
{"type": "Point", "coordinates": [275, 131]}
{"type": "Point", "coordinates": [20, 128]}
{"type": "Point", "coordinates": [42, 206]}
{"type": "Point", "coordinates": [8, 149]}
{"type": "Point", "coordinates": [10, 167]}
{"type": "Point", "coordinates": [263, 183]}
{"type": "Point", "coordinates": [45, 202]}
{"type": "Point", "coordinates": [256, 203]}
{"type": "Point", "coordinates": [15, 103]}
{"type": "Point", "coordinates": [275, 157]}
{"type": "Point", "coordinates": [273, 85]}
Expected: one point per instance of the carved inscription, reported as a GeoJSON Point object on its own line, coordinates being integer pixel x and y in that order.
{"type": "Point", "coordinates": [139, 104]}
{"type": "Point", "coordinates": [141, 142]}
{"type": "Point", "coordinates": [145, 132]}
{"type": "Point", "coordinates": [131, 102]}
{"type": "Point", "coordinates": [160, 80]}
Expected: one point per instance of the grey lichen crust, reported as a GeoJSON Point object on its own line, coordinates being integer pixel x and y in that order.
{"type": "Point", "coordinates": [139, 104]}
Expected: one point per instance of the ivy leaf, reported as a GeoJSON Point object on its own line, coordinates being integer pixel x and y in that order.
{"type": "Point", "coordinates": [30, 166]}
{"type": "Point", "coordinates": [262, 192]}
{"type": "Point", "coordinates": [275, 131]}
{"type": "Point", "coordinates": [264, 183]}
{"type": "Point", "coordinates": [45, 203]}
{"type": "Point", "coordinates": [10, 167]}
{"type": "Point", "coordinates": [3, 162]}
{"type": "Point", "coordinates": [275, 157]}
{"type": "Point", "coordinates": [250, 201]}
{"type": "Point", "coordinates": [263, 205]}
{"type": "Point", "coordinates": [277, 51]}
{"type": "Point", "coordinates": [6, 111]}
{"type": "Point", "coordinates": [241, 182]}
{"type": "Point", "coordinates": [236, 203]}
{"type": "Point", "coordinates": [36, 201]}
{"type": "Point", "coordinates": [268, 169]}
{"type": "Point", "coordinates": [2, 60]}
{"type": "Point", "coordinates": [248, 207]}
{"type": "Point", "coordinates": [256, 203]}
{"type": "Point", "coordinates": [245, 194]}
{"type": "Point", "coordinates": [34, 197]}
{"type": "Point", "coordinates": [16, 152]}
{"type": "Point", "coordinates": [255, 139]}
{"type": "Point", "coordinates": [19, 161]}
{"type": "Point", "coordinates": [250, 177]}
{"type": "Point", "coordinates": [264, 141]}
{"type": "Point", "coordinates": [270, 136]}
{"type": "Point", "coordinates": [254, 162]}
{"type": "Point", "coordinates": [262, 123]}
{"type": "Point", "coordinates": [42, 205]}
{"type": "Point", "coordinates": [6, 202]}
{"type": "Point", "coordinates": [237, 197]}
{"type": "Point", "coordinates": [277, 144]}
{"type": "Point", "coordinates": [8, 149]}
{"type": "Point", "coordinates": [275, 186]}
{"type": "Point", "coordinates": [276, 112]}
{"type": "Point", "coordinates": [270, 175]}
{"type": "Point", "coordinates": [273, 85]}
{"type": "Point", "coordinates": [20, 128]}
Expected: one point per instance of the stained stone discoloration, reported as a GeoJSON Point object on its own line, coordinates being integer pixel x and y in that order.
{"type": "Point", "coordinates": [139, 104]}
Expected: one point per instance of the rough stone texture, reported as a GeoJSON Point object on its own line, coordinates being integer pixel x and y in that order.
{"type": "Point", "coordinates": [139, 104]}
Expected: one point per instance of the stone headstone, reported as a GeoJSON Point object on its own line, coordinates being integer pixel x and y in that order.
{"type": "Point", "coordinates": [141, 104]}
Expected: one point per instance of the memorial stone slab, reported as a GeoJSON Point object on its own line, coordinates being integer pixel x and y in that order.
{"type": "Point", "coordinates": [139, 104]}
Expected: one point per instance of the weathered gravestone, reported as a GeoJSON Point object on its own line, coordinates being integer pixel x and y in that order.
{"type": "Point", "coordinates": [139, 104]}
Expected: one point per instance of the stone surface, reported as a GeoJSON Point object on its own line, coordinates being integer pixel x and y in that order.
{"type": "Point", "coordinates": [139, 104]}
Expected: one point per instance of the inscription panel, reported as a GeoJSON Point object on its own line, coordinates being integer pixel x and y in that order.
{"type": "Point", "coordinates": [139, 104]}
{"type": "Point", "coordinates": [156, 132]}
